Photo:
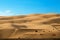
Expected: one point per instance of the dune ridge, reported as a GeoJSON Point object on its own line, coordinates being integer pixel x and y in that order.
{"type": "Point", "coordinates": [30, 26]}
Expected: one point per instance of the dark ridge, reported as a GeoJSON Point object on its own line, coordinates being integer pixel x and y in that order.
{"type": "Point", "coordinates": [16, 17]}
{"type": "Point", "coordinates": [5, 18]}
{"type": "Point", "coordinates": [22, 21]}
{"type": "Point", "coordinates": [21, 16]}
{"type": "Point", "coordinates": [15, 21]}
{"type": "Point", "coordinates": [2, 22]}
{"type": "Point", "coordinates": [19, 26]}
{"type": "Point", "coordinates": [55, 25]}
{"type": "Point", "coordinates": [57, 14]}
{"type": "Point", "coordinates": [57, 20]}
{"type": "Point", "coordinates": [35, 14]}
{"type": "Point", "coordinates": [10, 18]}
{"type": "Point", "coordinates": [48, 16]}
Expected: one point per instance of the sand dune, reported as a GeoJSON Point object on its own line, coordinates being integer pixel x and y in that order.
{"type": "Point", "coordinates": [30, 26]}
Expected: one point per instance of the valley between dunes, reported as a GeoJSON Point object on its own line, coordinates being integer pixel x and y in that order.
{"type": "Point", "coordinates": [30, 26]}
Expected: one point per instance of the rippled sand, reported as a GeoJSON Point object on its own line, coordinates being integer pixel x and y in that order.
{"type": "Point", "coordinates": [30, 26]}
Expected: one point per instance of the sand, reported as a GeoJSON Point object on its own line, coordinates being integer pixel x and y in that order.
{"type": "Point", "coordinates": [30, 26]}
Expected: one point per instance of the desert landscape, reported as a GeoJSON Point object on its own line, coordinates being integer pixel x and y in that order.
{"type": "Point", "coordinates": [30, 26]}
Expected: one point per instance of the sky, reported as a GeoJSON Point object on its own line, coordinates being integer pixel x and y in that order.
{"type": "Point", "coordinates": [23, 7]}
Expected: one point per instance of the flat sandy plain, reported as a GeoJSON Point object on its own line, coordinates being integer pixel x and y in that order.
{"type": "Point", "coordinates": [30, 26]}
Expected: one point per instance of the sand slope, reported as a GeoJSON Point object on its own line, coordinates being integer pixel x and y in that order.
{"type": "Point", "coordinates": [30, 26]}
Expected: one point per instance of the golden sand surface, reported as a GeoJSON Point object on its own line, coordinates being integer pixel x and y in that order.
{"type": "Point", "coordinates": [30, 26]}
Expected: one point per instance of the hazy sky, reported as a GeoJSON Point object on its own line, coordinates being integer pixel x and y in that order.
{"type": "Point", "coordinates": [15, 7]}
